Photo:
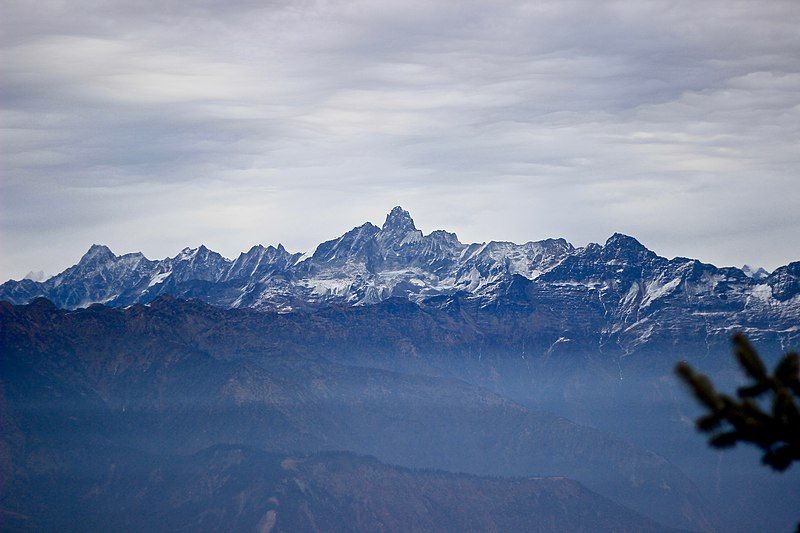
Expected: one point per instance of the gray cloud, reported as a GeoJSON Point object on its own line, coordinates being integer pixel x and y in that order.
{"type": "Point", "coordinates": [151, 126]}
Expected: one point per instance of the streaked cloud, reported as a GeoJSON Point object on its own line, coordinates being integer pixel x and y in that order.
{"type": "Point", "coordinates": [152, 125]}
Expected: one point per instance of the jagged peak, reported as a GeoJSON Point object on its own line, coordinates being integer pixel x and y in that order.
{"type": "Point", "coordinates": [367, 228]}
{"type": "Point", "coordinates": [618, 237]}
{"type": "Point", "coordinates": [201, 250]}
{"type": "Point", "coordinates": [353, 239]}
{"type": "Point", "coordinates": [399, 219]}
{"type": "Point", "coordinates": [260, 248]}
{"type": "Point", "coordinates": [622, 241]}
{"type": "Point", "coordinates": [445, 236]}
{"type": "Point", "coordinates": [561, 241]}
{"type": "Point", "coordinates": [98, 252]}
{"type": "Point", "coordinates": [204, 251]}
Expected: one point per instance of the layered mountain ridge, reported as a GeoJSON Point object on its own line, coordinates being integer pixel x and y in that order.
{"type": "Point", "coordinates": [624, 289]}
{"type": "Point", "coordinates": [365, 265]}
{"type": "Point", "coordinates": [495, 359]}
{"type": "Point", "coordinates": [92, 390]}
{"type": "Point", "coordinates": [235, 488]}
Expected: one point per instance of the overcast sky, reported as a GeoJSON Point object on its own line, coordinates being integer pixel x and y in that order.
{"type": "Point", "coordinates": [151, 126]}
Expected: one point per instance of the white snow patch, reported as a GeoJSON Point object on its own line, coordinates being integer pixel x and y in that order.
{"type": "Point", "coordinates": [657, 289]}
{"type": "Point", "coordinates": [762, 292]}
{"type": "Point", "coordinates": [158, 278]}
{"type": "Point", "coordinates": [303, 257]}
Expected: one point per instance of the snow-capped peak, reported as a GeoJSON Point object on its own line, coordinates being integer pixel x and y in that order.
{"type": "Point", "coordinates": [399, 220]}
{"type": "Point", "coordinates": [97, 252]}
{"type": "Point", "coordinates": [368, 264]}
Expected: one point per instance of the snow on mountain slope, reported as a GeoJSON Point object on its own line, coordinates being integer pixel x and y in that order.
{"type": "Point", "coordinates": [620, 288]}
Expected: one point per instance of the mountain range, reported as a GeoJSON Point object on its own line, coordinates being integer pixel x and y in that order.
{"type": "Point", "coordinates": [632, 289]}
{"type": "Point", "coordinates": [137, 392]}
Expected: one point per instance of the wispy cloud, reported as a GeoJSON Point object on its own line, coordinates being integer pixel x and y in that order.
{"type": "Point", "coordinates": [153, 125]}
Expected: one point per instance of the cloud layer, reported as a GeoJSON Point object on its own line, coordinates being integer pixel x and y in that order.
{"type": "Point", "coordinates": [151, 126]}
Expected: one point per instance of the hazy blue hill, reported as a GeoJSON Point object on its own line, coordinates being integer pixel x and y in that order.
{"type": "Point", "coordinates": [233, 488]}
{"type": "Point", "coordinates": [169, 379]}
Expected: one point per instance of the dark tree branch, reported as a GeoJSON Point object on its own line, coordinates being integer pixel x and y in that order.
{"type": "Point", "coordinates": [732, 420]}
